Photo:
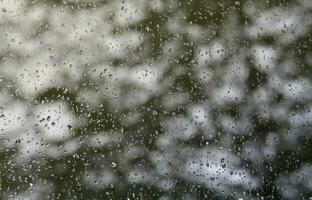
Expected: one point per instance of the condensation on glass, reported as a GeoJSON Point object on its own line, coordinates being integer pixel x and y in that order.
{"type": "Point", "coordinates": [155, 99]}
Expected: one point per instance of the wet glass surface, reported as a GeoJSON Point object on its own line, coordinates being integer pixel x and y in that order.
{"type": "Point", "coordinates": [155, 99]}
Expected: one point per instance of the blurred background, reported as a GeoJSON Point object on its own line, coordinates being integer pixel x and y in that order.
{"type": "Point", "coordinates": [155, 99]}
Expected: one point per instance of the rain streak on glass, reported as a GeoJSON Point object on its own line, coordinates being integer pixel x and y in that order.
{"type": "Point", "coordinates": [155, 99]}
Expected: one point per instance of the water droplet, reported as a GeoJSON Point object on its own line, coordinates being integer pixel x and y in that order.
{"type": "Point", "coordinates": [113, 164]}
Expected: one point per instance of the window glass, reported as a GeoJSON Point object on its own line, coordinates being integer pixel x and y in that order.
{"type": "Point", "coordinates": [155, 99]}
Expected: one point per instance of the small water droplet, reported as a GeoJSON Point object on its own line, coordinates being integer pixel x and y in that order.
{"type": "Point", "coordinates": [113, 164]}
{"type": "Point", "coordinates": [3, 10]}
